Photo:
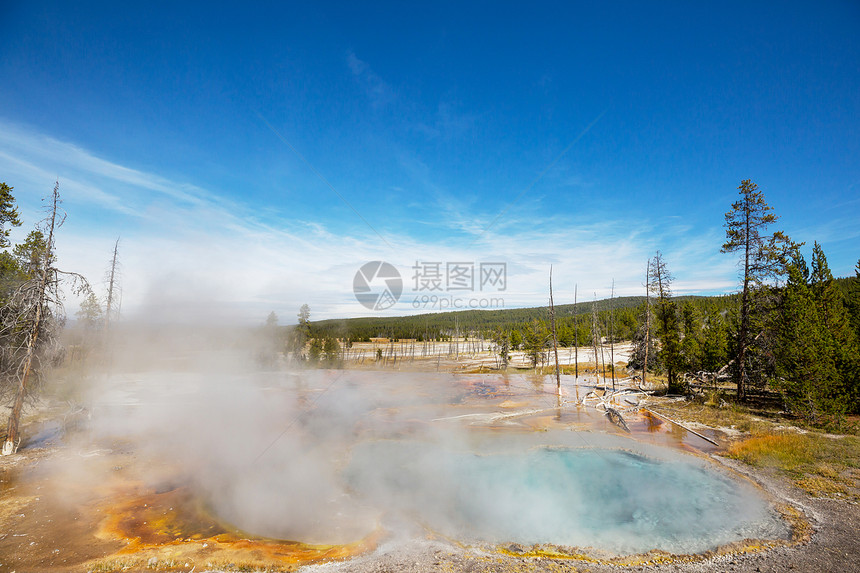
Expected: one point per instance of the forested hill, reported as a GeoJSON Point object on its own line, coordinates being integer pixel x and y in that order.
{"type": "Point", "coordinates": [626, 313]}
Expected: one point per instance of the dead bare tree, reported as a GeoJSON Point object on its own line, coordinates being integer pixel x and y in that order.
{"type": "Point", "coordinates": [554, 335]}
{"type": "Point", "coordinates": [602, 354]}
{"type": "Point", "coordinates": [112, 284]}
{"type": "Point", "coordinates": [30, 321]}
{"type": "Point", "coordinates": [611, 332]}
{"type": "Point", "coordinates": [575, 336]}
{"type": "Point", "coordinates": [647, 317]}
{"type": "Point", "coordinates": [594, 336]}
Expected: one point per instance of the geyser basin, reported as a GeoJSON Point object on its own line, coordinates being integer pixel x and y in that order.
{"type": "Point", "coordinates": [324, 458]}
{"type": "Point", "coordinates": [604, 498]}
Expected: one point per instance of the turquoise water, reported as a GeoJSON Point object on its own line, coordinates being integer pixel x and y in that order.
{"type": "Point", "coordinates": [610, 499]}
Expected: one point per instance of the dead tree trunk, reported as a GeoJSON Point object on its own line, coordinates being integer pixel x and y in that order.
{"type": "Point", "coordinates": [10, 446]}
{"type": "Point", "coordinates": [602, 360]}
{"type": "Point", "coordinates": [611, 331]}
{"type": "Point", "coordinates": [111, 284]}
{"type": "Point", "coordinates": [575, 336]}
{"type": "Point", "coordinates": [594, 336]}
{"type": "Point", "coordinates": [647, 318]}
{"type": "Point", "coordinates": [554, 336]}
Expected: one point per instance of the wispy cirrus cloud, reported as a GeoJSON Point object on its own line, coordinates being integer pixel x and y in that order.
{"type": "Point", "coordinates": [191, 254]}
{"type": "Point", "coordinates": [33, 155]}
{"type": "Point", "coordinates": [17, 168]}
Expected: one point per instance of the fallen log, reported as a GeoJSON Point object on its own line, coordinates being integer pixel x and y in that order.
{"type": "Point", "coordinates": [668, 419]}
{"type": "Point", "coordinates": [616, 418]}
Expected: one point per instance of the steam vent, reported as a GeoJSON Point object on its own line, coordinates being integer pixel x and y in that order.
{"type": "Point", "coordinates": [174, 470]}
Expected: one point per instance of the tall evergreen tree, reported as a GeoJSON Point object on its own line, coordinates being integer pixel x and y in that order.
{"type": "Point", "coordinates": [762, 258]}
{"type": "Point", "coordinates": [828, 301]}
{"type": "Point", "coordinates": [300, 335]}
{"type": "Point", "coordinates": [691, 345]}
{"type": "Point", "coordinates": [805, 368]}
{"type": "Point", "coordinates": [839, 337]}
{"type": "Point", "coordinates": [11, 275]}
{"type": "Point", "coordinates": [31, 254]}
{"type": "Point", "coordinates": [854, 302]}
{"type": "Point", "coordinates": [668, 329]}
{"type": "Point", "coordinates": [853, 307]}
{"type": "Point", "coordinates": [715, 342]}
{"type": "Point", "coordinates": [535, 340]}
{"type": "Point", "coordinates": [8, 214]}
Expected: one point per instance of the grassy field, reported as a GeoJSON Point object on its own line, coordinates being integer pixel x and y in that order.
{"type": "Point", "coordinates": [826, 465]}
{"type": "Point", "coordinates": [822, 464]}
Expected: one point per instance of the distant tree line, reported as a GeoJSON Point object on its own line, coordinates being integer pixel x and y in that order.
{"type": "Point", "coordinates": [572, 321]}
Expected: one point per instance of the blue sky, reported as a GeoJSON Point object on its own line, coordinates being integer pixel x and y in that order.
{"type": "Point", "coordinates": [576, 135]}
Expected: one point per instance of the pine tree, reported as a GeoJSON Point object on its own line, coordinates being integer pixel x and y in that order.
{"type": "Point", "coordinates": [715, 342]}
{"type": "Point", "coordinates": [839, 337]}
{"type": "Point", "coordinates": [640, 337]}
{"type": "Point", "coordinates": [331, 352]}
{"type": "Point", "coordinates": [806, 372]}
{"type": "Point", "coordinates": [8, 214]}
{"type": "Point", "coordinates": [854, 302]}
{"type": "Point", "coordinates": [502, 340]}
{"type": "Point", "coordinates": [300, 335]}
{"type": "Point", "coordinates": [315, 351]}
{"type": "Point", "coordinates": [691, 345]}
{"type": "Point", "coordinates": [535, 341]}
{"type": "Point", "coordinates": [31, 254]}
{"type": "Point", "coordinates": [828, 301]}
{"type": "Point", "coordinates": [90, 314]}
{"type": "Point", "coordinates": [853, 307]}
{"type": "Point", "coordinates": [516, 339]}
{"type": "Point", "coordinates": [763, 258]}
{"type": "Point", "coordinates": [11, 275]}
{"type": "Point", "coordinates": [668, 328]}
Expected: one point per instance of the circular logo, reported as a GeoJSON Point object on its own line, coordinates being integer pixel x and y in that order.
{"type": "Point", "coordinates": [377, 285]}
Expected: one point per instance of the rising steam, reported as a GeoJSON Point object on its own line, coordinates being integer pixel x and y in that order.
{"type": "Point", "coordinates": [330, 456]}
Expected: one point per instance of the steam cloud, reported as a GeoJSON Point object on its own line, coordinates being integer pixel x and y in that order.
{"type": "Point", "coordinates": [327, 456]}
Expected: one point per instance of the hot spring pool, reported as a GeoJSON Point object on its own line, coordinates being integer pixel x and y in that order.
{"type": "Point", "coordinates": [606, 498]}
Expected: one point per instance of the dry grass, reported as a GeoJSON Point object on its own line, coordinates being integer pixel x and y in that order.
{"type": "Point", "coordinates": [822, 487]}
{"type": "Point", "coordinates": [788, 452]}
{"type": "Point", "coordinates": [731, 416]}
{"type": "Point", "coordinates": [822, 465]}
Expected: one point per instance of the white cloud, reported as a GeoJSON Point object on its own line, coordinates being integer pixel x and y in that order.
{"type": "Point", "coordinates": [188, 254]}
